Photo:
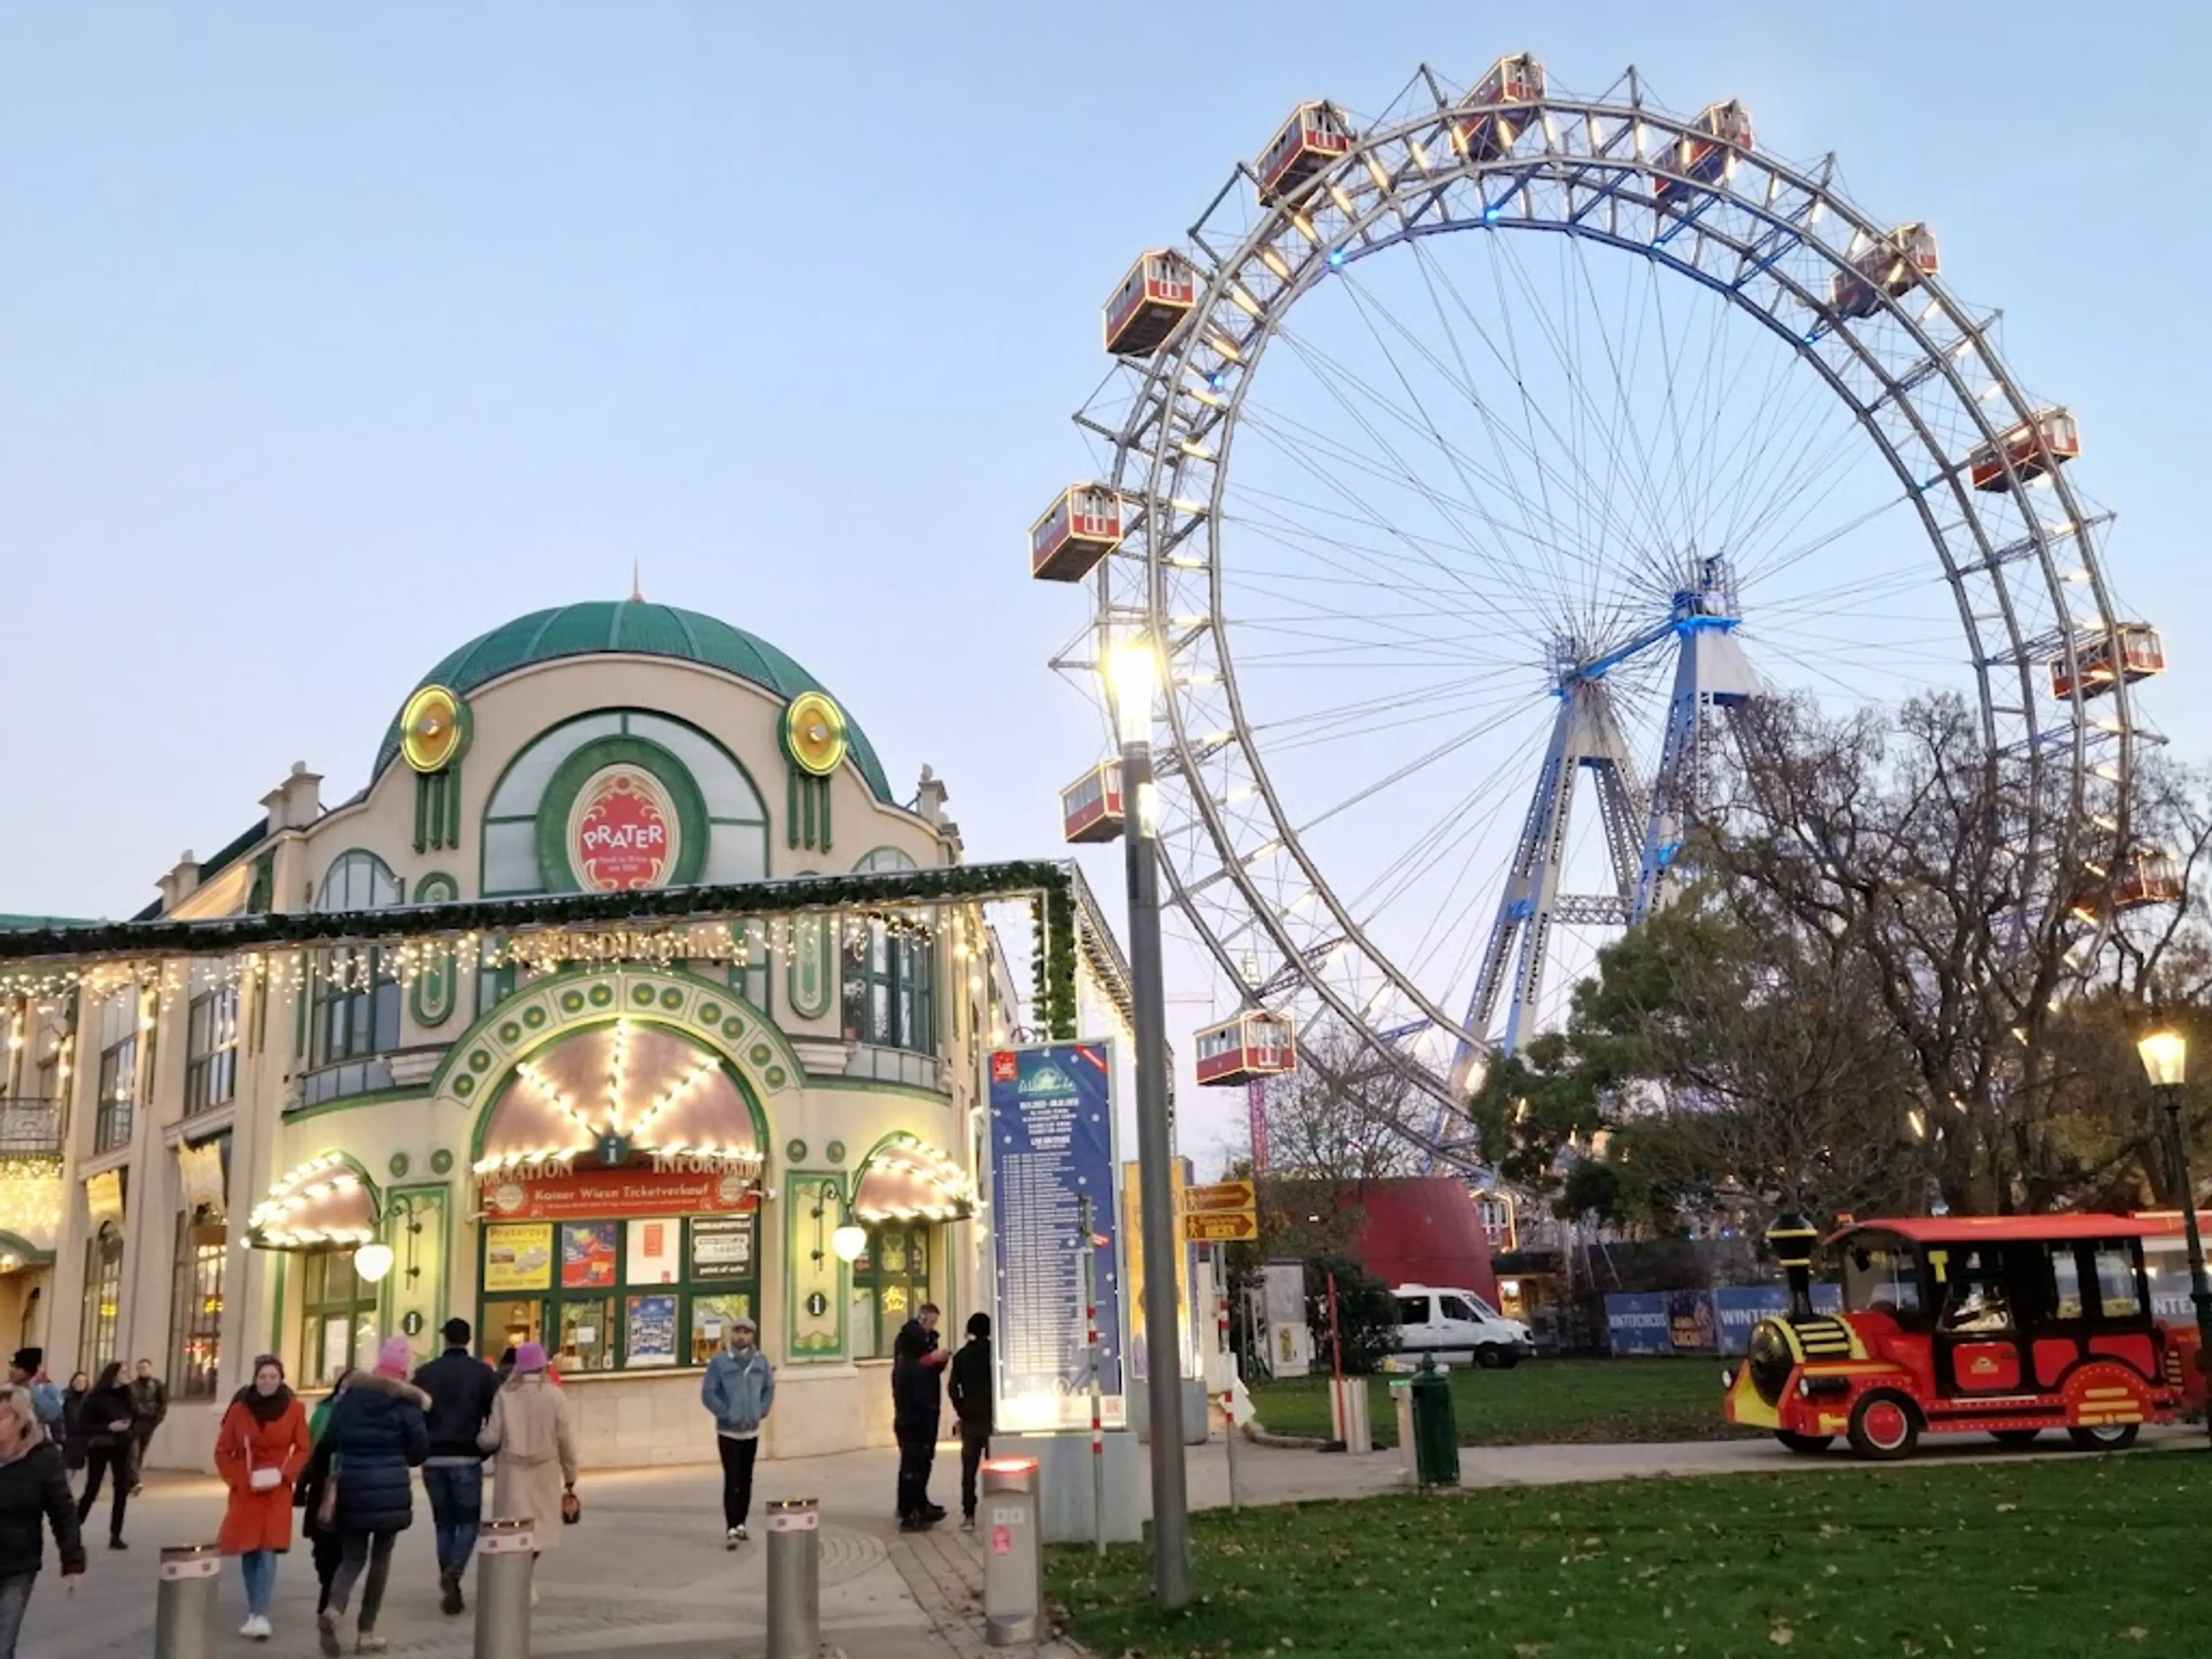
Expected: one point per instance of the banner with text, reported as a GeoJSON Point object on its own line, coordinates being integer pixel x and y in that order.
{"type": "Point", "coordinates": [1051, 1146]}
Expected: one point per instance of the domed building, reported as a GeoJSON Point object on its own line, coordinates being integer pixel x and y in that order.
{"type": "Point", "coordinates": [540, 1093]}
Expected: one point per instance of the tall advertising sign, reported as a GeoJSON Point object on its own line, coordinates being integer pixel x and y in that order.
{"type": "Point", "coordinates": [1051, 1146]}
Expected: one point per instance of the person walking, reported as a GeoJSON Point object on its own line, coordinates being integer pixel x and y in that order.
{"type": "Point", "coordinates": [461, 1388]}
{"type": "Point", "coordinates": [260, 1450]}
{"type": "Point", "coordinates": [379, 1434]}
{"type": "Point", "coordinates": [534, 1449]}
{"type": "Point", "coordinates": [106, 1422]}
{"type": "Point", "coordinates": [968, 1385]}
{"type": "Point", "coordinates": [68, 1432]}
{"type": "Point", "coordinates": [917, 1411]}
{"type": "Point", "coordinates": [150, 1404]}
{"type": "Point", "coordinates": [34, 1496]}
{"type": "Point", "coordinates": [27, 1370]}
{"type": "Point", "coordinates": [739, 1389]}
{"type": "Point", "coordinates": [308, 1492]}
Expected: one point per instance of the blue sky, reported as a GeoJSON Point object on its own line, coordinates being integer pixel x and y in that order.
{"type": "Point", "coordinates": [332, 335]}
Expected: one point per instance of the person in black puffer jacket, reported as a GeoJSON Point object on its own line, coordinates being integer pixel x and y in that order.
{"type": "Point", "coordinates": [378, 1435]}
{"type": "Point", "coordinates": [969, 1386]}
{"type": "Point", "coordinates": [105, 1420]}
{"type": "Point", "coordinates": [33, 1494]}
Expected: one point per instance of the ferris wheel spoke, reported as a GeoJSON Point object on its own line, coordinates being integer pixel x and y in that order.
{"type": "Point", "coordinates": [1422, 550]}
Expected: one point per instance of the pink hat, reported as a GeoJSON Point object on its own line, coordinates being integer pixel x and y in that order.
{"type": "Point", "coordinates": [530, 1357]}
{"type": "Point", "coordinates": [394, 1357]}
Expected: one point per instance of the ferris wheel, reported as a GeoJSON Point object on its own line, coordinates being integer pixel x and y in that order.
{"type": "Point", "coordinates": [1469, 466]}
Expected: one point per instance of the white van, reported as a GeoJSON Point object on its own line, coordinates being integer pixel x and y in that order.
{"type": "Point", "coordinates": [1459, 1327]}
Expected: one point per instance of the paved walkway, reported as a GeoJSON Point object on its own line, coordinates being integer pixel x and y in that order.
{"type": "Point", "coordinates": [646, 1574]}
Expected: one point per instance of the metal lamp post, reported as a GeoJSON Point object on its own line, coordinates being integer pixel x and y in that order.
{"type": "Point", "coordinates": [2166, 1060]}
{"type": "Point", "coordinates": [1133, 673]}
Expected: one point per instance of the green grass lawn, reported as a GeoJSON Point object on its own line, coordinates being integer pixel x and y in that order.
{"type": "Point", "coordinates": [1538, 1402]}
{"type": "Point", "coordinates": [2050, 1559]}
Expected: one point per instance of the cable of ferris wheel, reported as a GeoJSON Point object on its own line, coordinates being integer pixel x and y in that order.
{"type": "Point", "coordinates": [1500, 568]}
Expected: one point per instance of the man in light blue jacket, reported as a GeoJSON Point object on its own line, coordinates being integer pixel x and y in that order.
{"type": "Point", "coordinates": [739, 1391]}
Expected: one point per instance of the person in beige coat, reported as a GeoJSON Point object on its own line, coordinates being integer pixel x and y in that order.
{"type": "Point", "coordinates": [532, 1446]}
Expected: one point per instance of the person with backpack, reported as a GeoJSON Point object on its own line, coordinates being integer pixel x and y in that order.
{"type": "Point", "coordinates": [968, 1385]}
{"type": "Point", "coordinates": [379, 1434]}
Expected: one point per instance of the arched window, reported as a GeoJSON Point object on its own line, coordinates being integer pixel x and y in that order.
{"type": "Point", "coordinates": [889, 977]}
{"type": "Point", "coordinates": [100, 1323]}
{"type": "Point", "coordinates": [354, 1011]}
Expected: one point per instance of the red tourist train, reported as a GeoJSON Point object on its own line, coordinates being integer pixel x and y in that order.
{"type": "Point", "coordinates": [2006, 1325]}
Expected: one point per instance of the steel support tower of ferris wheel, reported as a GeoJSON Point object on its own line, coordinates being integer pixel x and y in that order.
{"type": "Point", "coordinates": [1581, 426]}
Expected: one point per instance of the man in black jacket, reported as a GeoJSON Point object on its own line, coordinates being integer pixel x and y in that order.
{"type": "Point", "coordinates": [968, 1384]}
{"type": "Point", "coordinates": [460, 1387]}
{"type": "Point", "coordinates": [917, 1408]}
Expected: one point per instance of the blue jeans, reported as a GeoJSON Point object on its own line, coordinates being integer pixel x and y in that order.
{"type": "Point", "coordinates": [456, 1491]}
{"type": "Point", "coordinates": [259, 1567]}
{"type": "Point", "coordinates": [14, 1600]}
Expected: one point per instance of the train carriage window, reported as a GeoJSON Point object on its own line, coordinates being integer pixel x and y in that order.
{"type": "Point", "coordinates": [1975, 1299]}
{"type": "Point", "coordinates": [2066, 1275]}
{"type": "Point", "coordinates": [2120, 1292]}
{"type": "Point", "coordinates": [1885, 1278]}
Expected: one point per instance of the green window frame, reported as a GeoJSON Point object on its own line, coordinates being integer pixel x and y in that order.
{"type": "Point", "coordinates": [702, 1303]}
{"type": "Point", "coordinates": [891, 1278]}
{"type": "Point", "coordinates": [337, 1309]}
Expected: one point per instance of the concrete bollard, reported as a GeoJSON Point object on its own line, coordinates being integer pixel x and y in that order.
{"type": "Point", "coordinates": [794, 1579]}
{"type": "Point", "coordinates": [1014, 1551]}
{"type": "Point", "coordinates": [504, 1565]}
{"type": "Point", "coordinates": [184, 1607]}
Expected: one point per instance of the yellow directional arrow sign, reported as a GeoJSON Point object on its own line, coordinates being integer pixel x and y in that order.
{"type": "Point", "coordinates": [1221, 1227]}
{"type": "Point", "coordinates": [1222, 1195]}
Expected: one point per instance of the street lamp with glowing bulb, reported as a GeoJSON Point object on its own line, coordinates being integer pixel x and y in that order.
{"type": "Point", "coordinates": [2165, 1062]}
{"type": "Point", "coordinates": [373, 1261]}
{"type": "Point", "coordinates": [848, 1241]}
{"type": "Point", "coordinates": [1133, 678]}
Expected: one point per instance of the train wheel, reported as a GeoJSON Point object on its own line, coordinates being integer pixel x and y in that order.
{"type": "Point", "coordinates": [1808, 1444]}
{"type": "Point", "coordinates": [2015, 1436]}
{"type": "Point", "coordinates": [2105, 1437]}
{"type": "Point", "coordinates": [1884, 1426]}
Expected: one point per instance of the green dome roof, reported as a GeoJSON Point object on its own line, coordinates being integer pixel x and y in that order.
{"type": "Point", "coordinates": [633, 628]}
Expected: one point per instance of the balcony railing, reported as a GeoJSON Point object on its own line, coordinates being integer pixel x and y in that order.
{"type": "Point", "coordinates": [30, 1129]}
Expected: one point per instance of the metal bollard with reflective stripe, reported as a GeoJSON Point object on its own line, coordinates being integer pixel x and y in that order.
{"type": "Point", "coordinates": [184, 1608]}
{"type": "Point", "coordinates": [794, 1579]}
{"type": "Point", "coordinates": [504, 1549]}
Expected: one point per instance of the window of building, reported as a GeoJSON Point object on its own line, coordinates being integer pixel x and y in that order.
{"type": "Point", "coordinates": [890, 1281]}
{"type": "Point", "coordinates": [196, 1302]}
{"type": "Point", "coordinates": [338, 1312]}
{"type": "Point", "coordinates": [353, 1010]}
{"type": "Point", "coordinates": [889, 977]}
{"type": "Point", "coordinates": [493, 985]}
{"type": "Point", "coordinates": [103, 1296]}
{"type": "Point", "coordinates": [620, 1295]}
{"type": "Point", "coordinates": [210, 1039]}
{"type": "Point", "coordinates": [118, 1070]}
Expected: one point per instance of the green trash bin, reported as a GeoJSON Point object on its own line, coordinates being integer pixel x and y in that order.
{"type": "Point", "coordinates": [1436, 1435]}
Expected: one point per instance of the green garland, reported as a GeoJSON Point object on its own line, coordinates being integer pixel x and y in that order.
{"type": "Point", "coordinates": [886, 889]}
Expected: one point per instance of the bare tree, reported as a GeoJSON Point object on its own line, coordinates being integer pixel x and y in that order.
{"type": "Point", "coordinates": [1335, 1118]}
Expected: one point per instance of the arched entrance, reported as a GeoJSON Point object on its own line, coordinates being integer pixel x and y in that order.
{"type": "Point", "coordinates": [620, 1153]}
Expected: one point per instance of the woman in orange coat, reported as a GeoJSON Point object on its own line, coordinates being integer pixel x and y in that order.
{"type": "Point", "coordinates": [258, 1452]}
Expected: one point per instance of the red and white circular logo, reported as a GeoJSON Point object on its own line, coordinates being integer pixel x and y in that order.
{"type": "Point", "coordinates": [623, 831]}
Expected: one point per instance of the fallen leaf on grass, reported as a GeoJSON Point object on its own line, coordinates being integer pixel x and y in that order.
{"type": "Point", "coordinates": [1781, 1635]}
{"type": "Point", "coordinates": [2135, 1632]}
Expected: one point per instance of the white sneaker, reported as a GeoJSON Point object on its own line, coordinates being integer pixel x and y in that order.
{"type": "Point", "coordinates": [743, 1534]}
{"type": "Point", "coordinates": [732, 1538]}
{"type": "Point", "coordinates": [256, 1627]}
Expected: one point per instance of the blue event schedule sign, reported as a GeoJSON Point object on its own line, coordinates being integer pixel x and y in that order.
{"type": "Point", "coordinates": [1051, 1146]}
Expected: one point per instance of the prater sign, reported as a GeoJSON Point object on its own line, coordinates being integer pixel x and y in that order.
{"type": "Point", "coordinates": [623, 831]}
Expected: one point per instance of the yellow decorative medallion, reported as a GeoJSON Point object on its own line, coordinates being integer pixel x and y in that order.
{"type": "Point", "coordinates": [433, 728]}
{"type": "Point", "coordinates": [814, 733]}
